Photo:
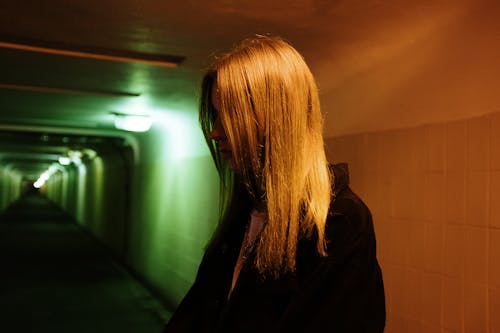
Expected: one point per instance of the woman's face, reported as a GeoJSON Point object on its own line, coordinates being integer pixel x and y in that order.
{"type": "Point", "coordinates": [218, 134]}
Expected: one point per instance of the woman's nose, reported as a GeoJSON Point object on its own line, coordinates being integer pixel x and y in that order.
{"type": "Point", "coordinates": [217, 132]}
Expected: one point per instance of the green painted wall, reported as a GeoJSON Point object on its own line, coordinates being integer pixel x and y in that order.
{"type": "Point", "coordinates": [94, 194]}
{"type": "Point", "coordinates": [106, 204]}
{"type": "Point", "coordinates": [10, 186]}
{"type": "Point", "coordinates": [154, 208]}
{"type": "Point", "coordinates": [174, 204]}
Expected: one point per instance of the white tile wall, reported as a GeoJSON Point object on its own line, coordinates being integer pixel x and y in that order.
{"type": "Point", "coordinates": [434, 191]}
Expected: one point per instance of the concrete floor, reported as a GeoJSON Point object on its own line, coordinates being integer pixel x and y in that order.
{"type": "Point", "coordinates": [56, 278]}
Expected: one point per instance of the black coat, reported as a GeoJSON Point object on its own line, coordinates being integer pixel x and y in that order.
{"type": "Point", "coordinates": [342, 292]}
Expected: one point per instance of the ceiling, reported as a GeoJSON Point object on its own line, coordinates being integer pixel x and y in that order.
{"type": "Point", "coordinates": [379, 64]}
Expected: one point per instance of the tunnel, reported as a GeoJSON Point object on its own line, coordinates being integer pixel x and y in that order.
{"type": "Point", "coordinates": [109, 195]}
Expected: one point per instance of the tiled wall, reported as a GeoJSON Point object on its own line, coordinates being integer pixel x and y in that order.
{"type": "Point", "coordinates": [434, 191]}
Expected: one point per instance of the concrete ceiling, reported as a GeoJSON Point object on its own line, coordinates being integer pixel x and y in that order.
{"type": "Point", "coordinates": [379, 64]}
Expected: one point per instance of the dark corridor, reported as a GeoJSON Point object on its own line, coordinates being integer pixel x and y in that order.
{"type": "Point", "coordinates": [54, 277]}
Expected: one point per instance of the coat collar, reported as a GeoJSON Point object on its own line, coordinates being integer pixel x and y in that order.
{"type": "Point", "coordinates": [341, 177]}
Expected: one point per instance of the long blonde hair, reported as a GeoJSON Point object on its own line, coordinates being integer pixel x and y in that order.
{"type": "Point", "coordinates": [270, 111]}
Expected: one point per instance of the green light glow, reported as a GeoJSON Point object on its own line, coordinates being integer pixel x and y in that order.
{"type": "Point", "coordinates": [182, 137]}
{"type": "Point", "coordinates": [133, 123]}
{"type": "Point", "coordinates": [163, 228]}
{"type": "Point", "coordinates": [175, 199]}
{"type": "Point", "coordinates": [64, 160]}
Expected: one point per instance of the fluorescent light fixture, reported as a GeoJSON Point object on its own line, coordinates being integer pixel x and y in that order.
{"type": "Point", "coordinates": [75, 153]}
{"type": "Point", "coordinates": [89, 153]}
{"type": "Point", "coordinates": [133, 123]}
{"type": "Point", "coordinates": [75, 156]}
{"type": "Point", "coordinates": [76, 160]}
{"type": "Point", "coordinates": [42, 179]}
{"type": "Point", "coordinates": [44, 176]}
{"type": "Point", "coordinates": [64, 160]}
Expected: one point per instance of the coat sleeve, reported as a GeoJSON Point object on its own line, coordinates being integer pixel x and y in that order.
{"type": "Point", "coordinates": [342, 292]}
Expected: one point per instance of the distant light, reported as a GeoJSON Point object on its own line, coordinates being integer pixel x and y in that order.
{"type": "Point", "coordinates": [75, 153]}
{"type": "Point", "coordinates": [75, 156]}
{"type": "Point", "coordinates": [64, 160]}
{"type": "Point", "coordinates": [133, 123]}
{"type": "Point", "coordinates": [39, 183]}
{"type": "Point", "coordinates": [91, 154]}
{"type": "Point", "coordinates": [44, 176]}
{"type": "Point", "coordinates": [76, 160]}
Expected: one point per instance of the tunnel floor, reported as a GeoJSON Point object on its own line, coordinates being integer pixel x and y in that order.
{"type": "Point", "coordinates": [54, 277]}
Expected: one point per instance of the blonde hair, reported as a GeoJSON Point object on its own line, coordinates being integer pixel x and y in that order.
{"type": "Point", "coordinates": [270, 111]}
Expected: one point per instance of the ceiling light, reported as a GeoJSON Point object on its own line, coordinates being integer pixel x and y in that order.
{"type": "Point", "coordinates": [64, 160]}
{"type": "Point", "coordinates": [89, 153]}
{"type": "Point", "coordinates": [133, 123]}
{"type": "Point", "coordinates": [76, 160]}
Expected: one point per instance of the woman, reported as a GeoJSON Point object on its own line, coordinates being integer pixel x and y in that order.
{"type": "Point", "coordinates": [293, 252]}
